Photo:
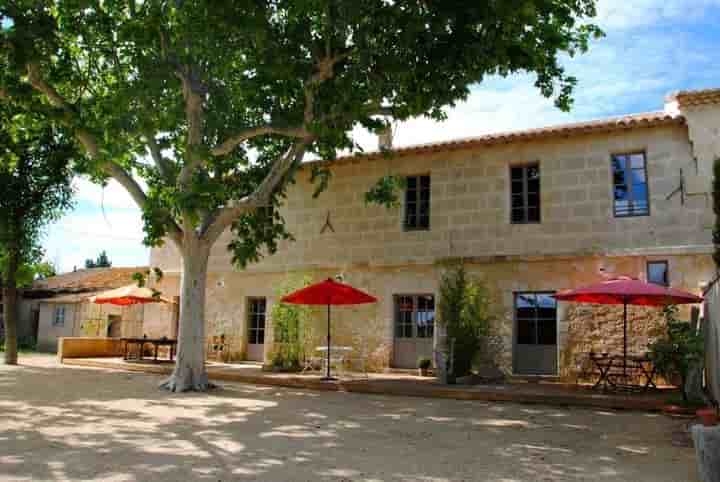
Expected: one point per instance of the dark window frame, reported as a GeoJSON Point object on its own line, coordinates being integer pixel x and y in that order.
{"type": "Point", "coordinates": [518, 319]}
{"type": "Point", "coordinates": [525, 209]}
{"type": "Point", "coordinates": [415, 212]}
{"type": "Point", "coordinates": [632, 212]}
{"type": "Point", "coordinates": [59, 320]}
{"type": "Point", "coordinates": [410, 328]}
{"type": "Point", "coordinates": [253, 315]}
{"type": "Point", "coordinates": [664, 262]}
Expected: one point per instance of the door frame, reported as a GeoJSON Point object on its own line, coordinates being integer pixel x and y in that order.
{"type": "Point", "coordinates": [433, 340]}
{"type": "Point", "coordinates": [515, 331]}
{"type": "Point", "coordinates": [248, 314]}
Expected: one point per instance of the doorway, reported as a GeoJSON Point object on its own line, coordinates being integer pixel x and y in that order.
{"type": "Point", "coordinates": [535, 350]}
{"type": "Point", "coordinates": [256, 329]}
{"type": "Point", "coordinates": [414, 321]}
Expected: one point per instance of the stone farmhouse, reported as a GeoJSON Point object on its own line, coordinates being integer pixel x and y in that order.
{"type": "Point", "coordinates": [529, 212]}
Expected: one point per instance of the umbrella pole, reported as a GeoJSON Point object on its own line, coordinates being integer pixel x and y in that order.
{"type": "Point", "coordinates": [625, 338]}
{"type": "Point", "coordinates": [327, 368]}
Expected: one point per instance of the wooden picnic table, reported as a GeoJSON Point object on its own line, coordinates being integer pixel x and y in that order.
{"type": "Point", "coordinates": [616, 373]}
{"type": "Point", "coordinates": [141, 342]}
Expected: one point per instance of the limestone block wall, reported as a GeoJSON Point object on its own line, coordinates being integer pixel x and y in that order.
{"type": "Point", "coordinates": [48, 333]}
{"type": "Point", "coordinates": [470, 207]}
{"type": "Point", "coordinates": [369, 328]}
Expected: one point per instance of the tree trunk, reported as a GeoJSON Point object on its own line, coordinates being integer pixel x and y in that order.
{"type": "Point", "coordinates": [189, 373]}
{"type": "Point", "coordinates": [10, 310]}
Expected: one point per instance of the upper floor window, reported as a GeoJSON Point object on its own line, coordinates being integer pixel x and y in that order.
{"type": "Point", "coordinates": [657, 272]}
{"type": "Point", "coordinates": [417, 203]}
{"type": "Point", "coordinates": [525, 194]}
{"type": "Point", "coordinates": [630, 185]}
{"type": "Point", "coordinates": [59, 316]}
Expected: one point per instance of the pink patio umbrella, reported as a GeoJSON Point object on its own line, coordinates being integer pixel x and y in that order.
{"type": "Point", "coordinates": [328, 292]}
{"type": "Point", "coordinates": [626, 291]}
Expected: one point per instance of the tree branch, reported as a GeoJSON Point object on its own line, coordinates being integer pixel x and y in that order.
{"type": "Point", "coordinates": [193, 93]}
{"type": "Point", "coordinates": [163, 165]}
{"type": "Point", "coordinates": [89, 143]}
{"type": "Point", "coordinates": [214, 226]}
{"type": "Point", "coordinates": [231, 143]}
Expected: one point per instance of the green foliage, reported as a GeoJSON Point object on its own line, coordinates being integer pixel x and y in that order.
{"type": "Point", "coordinates": [35, 177]}
{"type": "Point", "coordinates": [102, 261]}
{"type": "Point", "coordinates": [465, 313]}
{"type": "Point", "coordinates": [290, 324]}
{"type": "Point", "coordinates": [679, 350]}
{"type": "Point", "coordinates": [385, 191]}
{"type": "Point", "coordinates": [716, 209]}
{"type": "Point", "coordinates": [179, 79]}
{"type": "Point", "coordinates": [424, 363]}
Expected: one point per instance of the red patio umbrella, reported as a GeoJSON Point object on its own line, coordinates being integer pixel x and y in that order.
{"type": "Point", "coordinates": [328, 292]}
{"type": "Point", "coordinates": [625, 291]}
{"type": "Point", "coordinates": [128, 295]}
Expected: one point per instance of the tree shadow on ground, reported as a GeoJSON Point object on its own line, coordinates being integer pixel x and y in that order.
{"type": "Point", "coordinates": [70, 424]}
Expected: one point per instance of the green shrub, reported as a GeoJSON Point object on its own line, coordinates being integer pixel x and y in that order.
{"type": "Point", "coordinates": [290, 324]}
{"type": "Point", "coordinates": [464, 312]}
{"type": "Point", "coordinates": [679, 350]}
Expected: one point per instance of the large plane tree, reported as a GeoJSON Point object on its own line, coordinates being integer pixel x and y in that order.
{"type": "Point", "coordinates": [204, 109]}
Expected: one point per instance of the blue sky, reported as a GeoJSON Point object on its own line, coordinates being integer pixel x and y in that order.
{"type": "Point", "coordinates": [652, 48]}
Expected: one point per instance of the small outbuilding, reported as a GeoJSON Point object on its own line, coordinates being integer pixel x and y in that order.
{"type": "Point", "coordinates": [60, 307]}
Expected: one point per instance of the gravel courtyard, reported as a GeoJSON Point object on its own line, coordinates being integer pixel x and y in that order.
{"type": "Point", "coordinates": [61, 423]}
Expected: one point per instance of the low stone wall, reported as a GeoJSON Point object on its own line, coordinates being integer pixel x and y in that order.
{"type": "Point", "coordinates": [88, 347]}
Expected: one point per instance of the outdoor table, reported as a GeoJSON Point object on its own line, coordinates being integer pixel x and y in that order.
{"type": "Point", "coordinates": [337, 353]}
{"type": "Point", "coordinates": [155, 342]}
{"type": "Point", "coordinates": [611, 368]}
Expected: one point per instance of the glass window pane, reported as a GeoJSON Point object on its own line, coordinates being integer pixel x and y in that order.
{"type": "Point", "coordinates": [518, 215]}
{"type": "Point", "coordinates": [637, 161]}
{"type": "Point", "coordinates": [526, 332]}
{"type": "Point", "coordinates": [517, 201]}
{"type": "Point", "coordinates": [657, 272]}
{"type": "Point", "coordinates": [516, 173]}
{"type": "Point", "coordinates": [547, 332]}
{"type": "Point", "coordinates": [533, 215]}
{"type": "Point", "coordinates": [638, 176]}
{"type": "Point", "coordinates": [536, 318]}
{"type": "Point", "coordinates": [533, 199]}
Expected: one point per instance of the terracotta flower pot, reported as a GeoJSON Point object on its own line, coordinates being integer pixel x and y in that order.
{"type": "Point", "coordinates": [708, 416]}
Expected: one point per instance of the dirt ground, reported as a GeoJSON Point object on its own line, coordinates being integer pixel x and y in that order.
{"type": "Point", "coordinates": [61, 423]}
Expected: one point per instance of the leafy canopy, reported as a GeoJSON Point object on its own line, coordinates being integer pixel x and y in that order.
{"type": "Point", "coordinates": [35, 177]}
{"type": "Point", "coordinates": [227, 97]}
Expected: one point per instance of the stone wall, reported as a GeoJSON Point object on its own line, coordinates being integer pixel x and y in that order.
{"type": "Point", "coordinates": [369, 328]}
{"type": "Point", "coordinates": [470, 207]}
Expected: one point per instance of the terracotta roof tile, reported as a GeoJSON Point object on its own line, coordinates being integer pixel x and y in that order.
{"type": "Point", "coordinates": [93, 279]}
{"type": "Point", "coordinates": [649, 119]}
{"type": "Point", "coordinates": [687, 98]}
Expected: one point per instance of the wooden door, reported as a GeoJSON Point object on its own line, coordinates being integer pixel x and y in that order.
{"type": "Point", "coordinates": [414, 329]}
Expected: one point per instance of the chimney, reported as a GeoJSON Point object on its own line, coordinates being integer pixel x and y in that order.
{"type": "Point", "coordinates": [385, 139]}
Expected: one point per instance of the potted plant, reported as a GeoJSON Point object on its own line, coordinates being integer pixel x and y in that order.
{"type": "Point", "coordinates": [677, 353]}
{"type": "Point", "coordinates": [424, 365]}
